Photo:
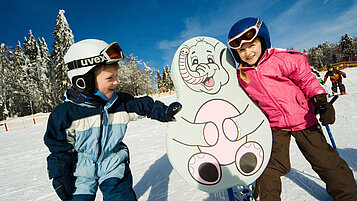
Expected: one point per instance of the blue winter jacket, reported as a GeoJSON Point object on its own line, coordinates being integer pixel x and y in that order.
{"type": "Point", "coordinates": [85, 136]}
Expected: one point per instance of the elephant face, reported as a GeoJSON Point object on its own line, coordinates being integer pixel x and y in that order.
{"type": "Point", "coordinates": [201, 67]}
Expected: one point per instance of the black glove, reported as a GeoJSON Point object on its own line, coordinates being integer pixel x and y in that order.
{"type": "Point", "coordinates": [60, 168]}
{"type": "Point", "coordinates": [173, 109]}
{"type": "Point", "coordinates": [324, 108]}
{"type": "Point", "coordinates": [64, 187]}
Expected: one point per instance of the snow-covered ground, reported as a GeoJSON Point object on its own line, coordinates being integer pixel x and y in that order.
{"type": "Point", "coordinates": [23, 174]}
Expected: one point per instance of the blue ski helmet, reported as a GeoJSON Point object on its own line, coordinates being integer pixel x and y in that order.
{"type": "Point", "coordinates": [242, 26]}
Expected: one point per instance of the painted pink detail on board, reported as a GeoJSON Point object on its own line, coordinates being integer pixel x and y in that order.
{"type": "Point", "coordinates": [185, 74]}
{"type": "Point", "coordinates": [220, 132]}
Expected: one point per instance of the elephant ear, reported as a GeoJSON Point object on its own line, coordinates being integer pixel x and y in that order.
{"type": "Point", "coordinates": [226, 61]}
{"type": "Point", "coordinates": [226, 58]}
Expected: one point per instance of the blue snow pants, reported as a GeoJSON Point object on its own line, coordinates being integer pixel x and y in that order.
{"type": "Point", "coordinates": [113, 189]}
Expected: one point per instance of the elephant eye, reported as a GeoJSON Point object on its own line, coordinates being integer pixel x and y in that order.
{"type": "Point", "coordinates": [210, 59]}
{"type": "Point", "coordinates": [195, 61]}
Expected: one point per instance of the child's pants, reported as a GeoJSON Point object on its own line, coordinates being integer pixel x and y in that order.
{"type": "Point", "coordinates": [113, 189]}
{"type": "Point", "coordinates": [339, 85]}
{"type": "Point", "coordinates": [332, 169]}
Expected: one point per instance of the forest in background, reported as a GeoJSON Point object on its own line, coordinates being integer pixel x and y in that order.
{"type": "Point", "coordinates": [33, 80]}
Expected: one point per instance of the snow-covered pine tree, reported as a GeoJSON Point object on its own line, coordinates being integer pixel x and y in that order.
{"type": "Point", "coordinates": [347, 48]}
{"type": "Point", "coordinates": [45, 72]}
{"type": "Point", "coordinates": [5, 64]}
{"type": "Point", "coordinates": [18, 102]}
{"type": "Point", "coordinates": [327, 53]}
{"type": "Point", "coordinates": [163, 83]}
{"type": "Point", "coordinates": [63, 40]}
{"type": "Point", "coordinates": [168, 81]}
{"type": "Point", "coordinates": [314, 57]}
{"type": "Point", "coordinates": [33, 85]}
{"type": "Point", "coordinates": [158, 80]}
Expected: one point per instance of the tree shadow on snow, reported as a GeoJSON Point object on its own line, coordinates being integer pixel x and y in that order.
{"type": "Point", "coordinates": [156, 178]}
{"type": "Point", "coordinates": [314, 189]}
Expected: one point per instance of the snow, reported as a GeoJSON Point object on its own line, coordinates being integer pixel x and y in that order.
{"type": "Point", "coordinates": [23, 173]}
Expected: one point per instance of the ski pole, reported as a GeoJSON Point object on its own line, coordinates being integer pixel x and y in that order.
{"type": "Point", "coordinates": [328, 127]}
{"type": "Point", "coordinates": [230, 194]}
{"type": "Point", "coordinates": [331, 138]}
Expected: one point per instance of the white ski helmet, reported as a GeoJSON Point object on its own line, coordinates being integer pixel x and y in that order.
{"type": "Point", "coordinates": [84, 55]}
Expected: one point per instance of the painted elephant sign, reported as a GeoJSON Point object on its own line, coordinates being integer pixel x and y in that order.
{"type": "Point", "coordinates": [220, 137]}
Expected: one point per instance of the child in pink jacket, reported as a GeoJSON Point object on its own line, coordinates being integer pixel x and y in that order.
{"type": "Point", "coordinates": [281, 83]}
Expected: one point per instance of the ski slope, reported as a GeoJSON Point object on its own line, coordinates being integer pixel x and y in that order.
{"type": "Point", "coordinates": [23, 174]}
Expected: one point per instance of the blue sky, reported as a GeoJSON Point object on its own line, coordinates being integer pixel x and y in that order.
{"type": "Point", "coordinates": [152, 30]}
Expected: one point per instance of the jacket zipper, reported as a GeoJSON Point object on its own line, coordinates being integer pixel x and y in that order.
{"type": "Point", "coordinates": [101, 132]}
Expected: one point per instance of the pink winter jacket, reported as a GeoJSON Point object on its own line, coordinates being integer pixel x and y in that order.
{"type": "Point", "coordinates": [282, 85]}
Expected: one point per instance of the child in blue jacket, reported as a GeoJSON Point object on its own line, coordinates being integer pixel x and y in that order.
{"type": "Point", "coordinates": [84, 133]}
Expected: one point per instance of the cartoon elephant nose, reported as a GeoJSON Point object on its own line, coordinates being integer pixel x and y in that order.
{"type": "Point", "coordinates": [208, 172]}
{"type": "Point", "coordinates": [248, 162]}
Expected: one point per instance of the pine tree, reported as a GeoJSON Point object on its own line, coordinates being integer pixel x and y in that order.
{"type": "Point", "coordinates": [63, 40]}
{"type": "Point", "coordinates": [347, 48]}
{"type": "Point", "coordinates": [158, 80]}
{"type": "Point", "coordinates": [163, 83]}
{"type": "Point", "coordinates": [19, 101]}
{"type": "Point", "coordinates": [4, 66]}
{"type": "Point", "coordinates": [45, 72]}
{"type": "Point", "coordinates": [33, 86]}
{"type": "Point", "coordinates": [168, 81]}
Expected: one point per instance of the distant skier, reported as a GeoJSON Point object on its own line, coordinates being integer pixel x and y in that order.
{"type": "Point", "coordinates": [336, 79]}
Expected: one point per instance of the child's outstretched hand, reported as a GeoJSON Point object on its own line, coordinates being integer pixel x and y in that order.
{"type": "Point", "coordinates": [173, 109]}
{"type": "Point", "coordinates": [324, 108]}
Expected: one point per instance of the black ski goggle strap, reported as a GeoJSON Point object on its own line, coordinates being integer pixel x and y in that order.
{"type": "Point", "coordinates": [110, 54]}
{"type": "Point", "coordinates": [80, 63]}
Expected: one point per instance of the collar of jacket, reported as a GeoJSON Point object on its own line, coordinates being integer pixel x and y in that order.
{"type": "Point", "coordinates": [75, 97]}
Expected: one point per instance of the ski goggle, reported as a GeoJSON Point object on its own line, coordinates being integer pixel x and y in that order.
{"type": "Point", "coordinates": [109, 55]}
{"type": "Point", "coordinates": [113, 52]}
{"type": "Point", "coordinates": [246, 36]}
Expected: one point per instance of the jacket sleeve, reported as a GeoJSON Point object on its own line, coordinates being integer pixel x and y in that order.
{"type": "Point", "coordinates": [61, 161]}
{"type": "Point", "coordinates": [146, 106]}
{"type": "Point", "coordinates": [300, 73]}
